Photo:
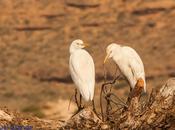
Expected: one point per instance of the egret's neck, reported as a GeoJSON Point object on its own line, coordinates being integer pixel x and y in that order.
{"type": "Point", "coordinates": [72, 49]}
{"type": "Point", "coordinates": [117, 54]}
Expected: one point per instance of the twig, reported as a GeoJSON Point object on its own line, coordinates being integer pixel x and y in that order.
{"type": "Point", "coordinates": [110, 83]}
{"type": "Point", "coordinates": [117, 103]}
{"type": "Point", "coordinates": [101, 105]}
{"type": "Point", "coordinates": [116, 110]}
{"type": "Point", "coordinates": [108, 106]}
{"type": "Point", "coordinates": [94, 109]}
{"type": "Point", "coordinates": [118, 99]}
{"type": "Point", "coordinates": [104, 90]}
{"type": "Point", "coordinates": [101, 93]}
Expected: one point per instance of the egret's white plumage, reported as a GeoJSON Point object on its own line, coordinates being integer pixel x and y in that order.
{"type": "Point", "coordinates": [128, 61]}
{"type": "Point", "coordinates": [82, 69]}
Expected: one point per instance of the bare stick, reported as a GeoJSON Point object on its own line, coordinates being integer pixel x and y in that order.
{"type": "Point", "coordinates": [118, 99]}
{"type": "Point", "coordinates": [117, 103]}
{"type": "Point", "coordinates": [112, 82]}
{"type": "Point", "coordinates": [70, 101]}
{"type": "Point", "coordinates": [101, 104]}
{"type": "Point", "coordinates": [101, 93]}
{"type": "Point", "coordinates": [108, 106]}
{"type": "Point", "coordinates": [116, 110]}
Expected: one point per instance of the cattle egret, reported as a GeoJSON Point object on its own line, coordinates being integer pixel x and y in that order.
{"type": "Point", "coordinates": [129, 63]}
{"type": "Point", "coordinates": [82, 70]}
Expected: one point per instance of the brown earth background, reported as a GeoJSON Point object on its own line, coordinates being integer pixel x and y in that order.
{"type": "Point", "coordinates": [34, 47]}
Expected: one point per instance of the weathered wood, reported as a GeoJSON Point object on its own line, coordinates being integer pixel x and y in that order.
{"type": "Point", "coordinates": [85, 119]}
{"type": "Point", "coordinates": [158, 113]}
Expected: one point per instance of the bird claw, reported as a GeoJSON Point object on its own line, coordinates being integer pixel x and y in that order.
{"type": "Point", "coordinates": [80, 108]}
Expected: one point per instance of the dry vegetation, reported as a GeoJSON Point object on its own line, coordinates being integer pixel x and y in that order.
{"type": "Point", "coordinates": [34, 42]}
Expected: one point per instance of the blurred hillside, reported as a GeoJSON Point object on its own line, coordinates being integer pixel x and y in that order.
{"type": "Point", "coordinates": [34, 46]}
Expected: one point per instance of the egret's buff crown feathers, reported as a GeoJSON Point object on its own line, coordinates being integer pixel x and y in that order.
{"type": "Point", "coordinates": [110, 51]}
{"type": "Point", "coordinates": [76, 44]}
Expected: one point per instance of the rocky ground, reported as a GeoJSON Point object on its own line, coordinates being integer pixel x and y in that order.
{"type": "Point", "coordinates": [34, 47]}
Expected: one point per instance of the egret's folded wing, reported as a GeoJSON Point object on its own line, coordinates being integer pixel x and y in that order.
{"type": "Point", "coordinates": [83, 73]}
{"type": "Point", "coordinates": [135, 61]}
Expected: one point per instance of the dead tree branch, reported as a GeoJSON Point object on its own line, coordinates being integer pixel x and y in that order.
{"type": "Point", "coordinates": [159, 113]}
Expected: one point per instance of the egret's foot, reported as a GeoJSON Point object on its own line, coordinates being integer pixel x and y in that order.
{"type": "Point", "coordinates": [80, 108]}
{"type": "Point", "coordinates": [94, 110]}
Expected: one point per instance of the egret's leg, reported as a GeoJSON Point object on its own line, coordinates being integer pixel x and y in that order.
{"type": "Point", "coordinates": [80, 106]}
{"type": "Point", "coordinates": [130, 89]}
{"type": "Point", "coordinates": [101, 102]}
{"type": "Point", "coordinates": [94, 109]}
{"type": "Point", "coordinates": [76, 100]}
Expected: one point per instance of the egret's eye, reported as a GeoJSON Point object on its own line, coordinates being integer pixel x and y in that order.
{"type": "Point", "coordinates": [80, 44]}
{"type": "Point", "coordinates": [109, 52]}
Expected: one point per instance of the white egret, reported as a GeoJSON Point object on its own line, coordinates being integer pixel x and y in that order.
{"type": "Point", "coordinates": [129, 63]}
{"type": "Point", "coordinates": [82, 70]}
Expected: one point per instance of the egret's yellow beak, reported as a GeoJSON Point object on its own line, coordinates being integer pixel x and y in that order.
{"type": "Point", "coordinates": [85, 44]}
{"type": "Point", "coordinates": [106, 58]}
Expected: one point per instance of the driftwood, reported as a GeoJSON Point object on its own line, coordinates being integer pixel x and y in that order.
{"type": "Point", "coordinates": [157, 113]}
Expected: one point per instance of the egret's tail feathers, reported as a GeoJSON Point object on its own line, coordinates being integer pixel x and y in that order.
{"type": "Point", "coordinates": [87, 96]}
{"type": "Point", "coordinates": [91, 92]}
{"type": "Point", "coordinates": [91, 97]}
